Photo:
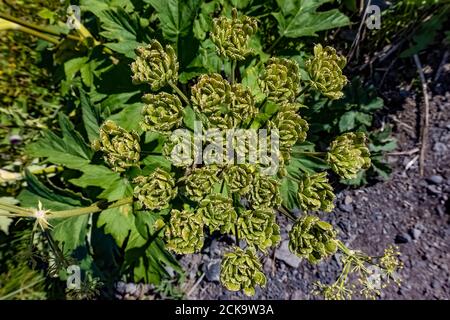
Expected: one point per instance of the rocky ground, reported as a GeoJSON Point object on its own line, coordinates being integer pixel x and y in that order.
{"type": "Point", "coordinates": [408, 210]}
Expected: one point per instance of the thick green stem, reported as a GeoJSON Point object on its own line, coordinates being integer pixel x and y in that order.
{"type": "Point", "coordinates": [233, 71]}
{"type": "Point", "coordinates": [180, 93]}
{"type": "Point", "coordinates": [274, 44]}
{"type": "Point", "coordinates": [15, 211]}
{"type": "Point", "coordinates": [287, 214]}
{"type": "Point", "coordinates": [28, 25]}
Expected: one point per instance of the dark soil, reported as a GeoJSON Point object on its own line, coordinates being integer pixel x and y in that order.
{"type": "Point", "coordinates": [409, 210]}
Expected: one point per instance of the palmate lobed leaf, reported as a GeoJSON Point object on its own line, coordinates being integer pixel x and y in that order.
{"type": "Point", "coordinates": [176, 17]}
{"type": "Point", "coordinates": [299, 18]}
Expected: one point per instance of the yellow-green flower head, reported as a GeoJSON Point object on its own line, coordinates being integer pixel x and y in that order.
{"type": "Point", "coordinates": [291, 106]}
{"type": "Point", "coordinates": [239, 177]}
{"type": "Point", "coordinates": [155, 191]}
{"type": "Point", "coordinates": [242, 270]}
{"type": "Point", "coordinates": [264, 192]}
{"type": "Point", "coordinates": [218, 213]}
{"type": "Point", "coordinates": [312, 239]}
{"type": "Point", "coordinates": [121, 148]}
{"type": "Point", "coordinates": [325, 71]}
{"type": "Point", "coordinates": [221, 120]}
{"type": "Point", "coordinates": [211, 94]}
{"type": "Point", "coordinates": [199, 183]}
{"type": "Point", "coordinates": [231, 36]}
{"type": "Point", "coordinates": [181, 149]}
{"type": "Point", "coordinates": [281, 80]}
{"type": "Point", "coordinates": [292, 129]}
{"type": "Point", "coordinates": [184, 233]}
{"type": "Point", "coordinates": [349, 154]}
{"type": "Point", "coordinates": [242, 103]}
{"type": "Point", "coordinates": [162, 112]}
{"type": "Point", "coordinates": [259, 228]}
{"type": "Point", "coordinates": [315, 193]}
{"type": "Point", "coordinates": [155, 66]}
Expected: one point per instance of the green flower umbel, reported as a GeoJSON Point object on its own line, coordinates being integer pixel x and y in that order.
{"type": "Point", "coordinates": [312, 239]}
{"type": "Point", "coordinates": [242, 103]}
{"type": "Point", "coordinates": [155, 191]}
{"type": "Point", "coordinates": [349, 154]}
{"type": "Point", "coordinates": [241, 270]}
{"type": "Point", "coordinates": [184, 233]}
{"type": "Point", "coordinates": [218, 213]}
{"type": "Point", "coordinates": [211, 94]}
{"type": "Point", "coordinates": [239, 177]}
{"type": "Point", "coordinates": [281, 80]}
{"type": "Point", "coordinates": [292, 129]}
{"type": "Point", "coordinates": [315, 193]}
{"type": "Point", "coordinates": [155, 66]}
{"type": "Point", "coordinates": [259, 228]}
{"type": "Point", "coordinates": [121, 148]}
{"type": "Point", "coordinates": [162, 112]}
{"type": "Point", "coordinates": [180, 149]}
{"type": "Point", "coordinates": [231, 36]}
{"type": "Point", "coordinates": [264, 192]}
{"type": "Point", "coordinates": [199, 183]}
{"type": "Point", "coordinates": [325, 71]}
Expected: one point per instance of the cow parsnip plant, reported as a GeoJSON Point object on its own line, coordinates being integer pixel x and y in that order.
{"type": "Point", "coordinates": [151, 198]}
{"type": "Point", "coordinates": [179, 200]}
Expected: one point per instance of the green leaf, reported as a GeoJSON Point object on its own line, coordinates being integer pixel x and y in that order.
{"type": "Point", "coordinates": [176, 17]}
{"type": "Point", "coordinates": [117, 221]}
{"type": "Point", "coordinates": [347, 121]}
{"type": "Point", "coordinates": [146, 257]}
{"type": "Point", "coordinates": [70, 150]}
{"type": "Point", "coordinates": [90, 117]}
{"type": "Point", "coordinates": [299, 18]}
{"type": "Point", "coordinates": [71, 232]}
{"type": "Point", "coordinates": [130, 117]}
{"type": "Point", "coordinates": [289, 193]}
{"type": "Point", "coordinates": [72, 66]}
{"type": "Point", "coordinates": [152, 162]}
{"type": "Point", "coordinates": [189, 117]}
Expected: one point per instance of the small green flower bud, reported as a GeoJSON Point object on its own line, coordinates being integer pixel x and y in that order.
{"type": "Point", "coordinates": [325, 71]}
{"type": "Point", "coordinates": [349, 154]}
{"type": "Point", "coordinates": [239, 177]}
{"type": "Point", "coordinates": [312, 239]}
{"type": "Point", "coordinates": [242, 103]}
{"type": "Point", "coordinates": [155, 191]}
{"type": "Point", "coordinates": [292, 129]}
{"type": "Point", "coordinates": [180, 149]}
{"type": "Point", "coordinates": [121, 148]}
{"type": "Point", "coordinates": [184, 233]}
{"type": "Point", "coordinates": [259, 228]}
{"type": "Point", "coordinates": [281, 80]}
{"type": "Point", "coordinates": [155, 66]}
{"type": "Point", "coordinates": [199, 183]}
{"type": "Point", "coordinates": [241, 270]}
{"type": "Point", "coordinates": [211, 94]}
{"type": "Point", "coordinates": [162, 113]}
{"type": "Point", "coordinates": [231, 36]}
{"type": "Point", "coordinates": [264, 192]}
{"type": "Point", "coordinates": [218, 213]}
{"type": "Point", "coordinates": [315, 193]}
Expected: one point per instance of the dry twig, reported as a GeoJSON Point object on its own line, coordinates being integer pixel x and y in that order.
{"type": "Point", "coordinates": [424, 116]}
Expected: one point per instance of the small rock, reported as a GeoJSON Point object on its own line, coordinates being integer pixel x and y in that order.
{"type": "Point", "coordinates": [348, 200]}
{"type": "Point", "coordinates": [436, 179]}
{"type": "Point", "coordinates": [346, 208]}
{"type": "Point", "coordinates": [433, 189]}
{"type": "Point", "coordinates": [415, 233]}
{"type": "Point", "coordinates": [212, 270]}
{"type": "Point", "coordinates": [439, 147]}
{"type": "Point", "coordinates": [402, 238]}
{"type": "Point", "coordinates": [282, 253]}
